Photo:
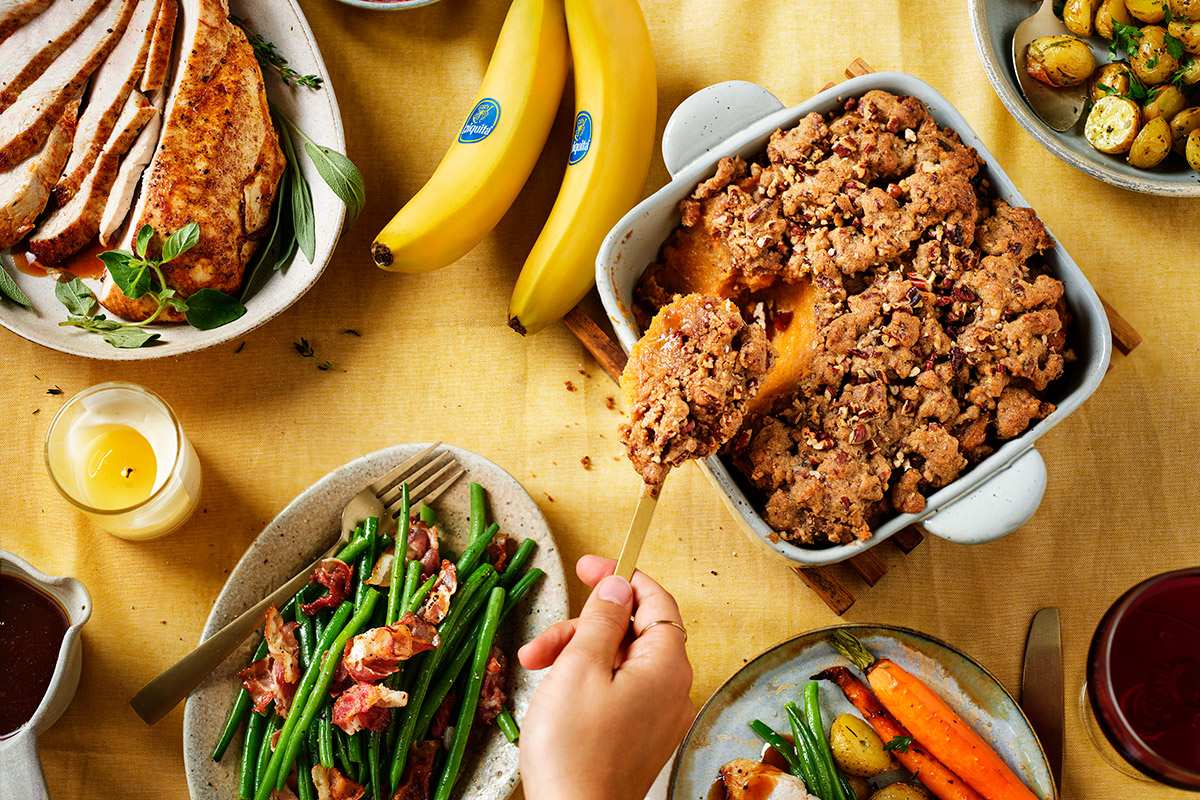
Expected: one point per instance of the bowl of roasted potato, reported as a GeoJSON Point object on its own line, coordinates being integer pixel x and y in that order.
{"type": "Point", "coordinates": [1140, 62]}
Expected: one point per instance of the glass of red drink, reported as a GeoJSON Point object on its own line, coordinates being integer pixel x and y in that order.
{"type": "Point", "coordinates": [1143, 678]}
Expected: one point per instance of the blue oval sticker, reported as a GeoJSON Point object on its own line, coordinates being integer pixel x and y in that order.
{"type": "Point", "coordinates": [481, 122]}
{"type": "Point", "coordinates": [582, 142]}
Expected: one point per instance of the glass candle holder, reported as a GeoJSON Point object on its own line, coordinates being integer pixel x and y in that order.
{"type": "Point", "coordinates": [117, 452]}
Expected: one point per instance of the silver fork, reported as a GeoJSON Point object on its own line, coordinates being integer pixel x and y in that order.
{"type": "Point", "coordinates": [427, 478]}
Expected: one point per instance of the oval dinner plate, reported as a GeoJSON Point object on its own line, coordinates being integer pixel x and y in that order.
{"type": "Point", "coordinates": [721, 731]}
{"type": "Point", "coordinates": [316, 112]}
{"type": "Point", "coordinates": [308, 525]}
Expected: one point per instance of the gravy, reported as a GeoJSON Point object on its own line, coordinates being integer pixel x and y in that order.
{"type": "Point", "coordinates": [32, 627]}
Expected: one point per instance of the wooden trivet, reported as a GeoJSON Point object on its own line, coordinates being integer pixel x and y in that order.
{"type": "Point", "coordinates": [869, 567]}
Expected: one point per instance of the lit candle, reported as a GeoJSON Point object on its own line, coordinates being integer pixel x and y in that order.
{"type": "Point", "coordinates": [118, 453]}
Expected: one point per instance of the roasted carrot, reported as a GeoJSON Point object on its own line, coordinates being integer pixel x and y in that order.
{"type": "Point", "coordinates": [916, 759]}
{"type": "Point", "coordinates": [934, 724]}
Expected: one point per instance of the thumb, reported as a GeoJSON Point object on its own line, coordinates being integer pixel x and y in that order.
{"type": "Point", "coordinates": [603, 622]}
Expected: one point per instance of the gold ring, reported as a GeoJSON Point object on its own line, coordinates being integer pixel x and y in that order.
{"type": "Point", "coordinates": [665, 622]}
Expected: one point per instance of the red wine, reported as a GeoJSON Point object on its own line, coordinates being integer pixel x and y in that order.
{"type": "Point", "coordinates": [1144, 677]}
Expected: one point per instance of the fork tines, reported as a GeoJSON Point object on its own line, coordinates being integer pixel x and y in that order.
{"type": "Point", "coordinates": [428, 474]}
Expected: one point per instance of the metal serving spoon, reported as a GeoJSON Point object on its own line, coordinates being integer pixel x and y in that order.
{"type": "Point", "coordinates": [1058, 108]}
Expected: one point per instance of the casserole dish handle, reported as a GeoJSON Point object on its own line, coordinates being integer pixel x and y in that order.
{"type": "Point", "coordinates": [709, 117]}
{"type": "Point", "coordinates": [1000, 505]}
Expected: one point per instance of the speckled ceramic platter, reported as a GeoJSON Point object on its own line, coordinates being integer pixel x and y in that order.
{"type": "Point", "coordinates": [993, 23]}
{"type": "Point", "coordinates": [759, 690]}
{"type": "Point", "coordinates": [305, 528]}
{"type": "Point", "coordinates": [316, 112]}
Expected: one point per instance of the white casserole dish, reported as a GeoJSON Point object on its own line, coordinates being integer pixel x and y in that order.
{"type": "Point", "coordinates": [992, 498]}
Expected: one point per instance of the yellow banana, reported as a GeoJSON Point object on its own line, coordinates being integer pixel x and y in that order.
{"type": "Point", "coordinates": [616, 105]}
{"type": "Point", "coordinates": [496, 149]}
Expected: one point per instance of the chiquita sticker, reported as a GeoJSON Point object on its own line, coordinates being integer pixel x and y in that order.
{"type": "Point", "coordinates": [583, 137]}
{"type": "Point", "coordinates": [481, 122]}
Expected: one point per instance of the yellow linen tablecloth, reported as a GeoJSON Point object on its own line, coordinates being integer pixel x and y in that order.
{"type": "Point", "coordinates": [436, 361]}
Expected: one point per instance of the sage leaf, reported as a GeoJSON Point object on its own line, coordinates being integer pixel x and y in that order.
{"type": "Point", "coordinates": [145, 233]}
{"type": "Point", "coordinates": [78, 298]}
{"type": "Point", "coordinates": [209, 308]}
{"type": "Point", "coordinates": [9, 288]}
{"type": "Point", "coordinates": [129, 337]}
{"type": "Point", "coordinates": [303, 219]}
{"type": "Point", "coordinates": [130, 273]}
{"type": "Point", "coordinates": [180, 242]}
{"type": "Point", "coordinates": [342, 176]}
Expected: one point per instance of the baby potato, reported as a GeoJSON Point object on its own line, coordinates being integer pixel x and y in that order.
{"type": "Point", "coordinates": [1192, 149]}
{"type": "Point", "coordinates": [1113, 124]}
{"type": "Point", "coordinates": [902, 791]}
{"type": "Point", "coordinates": [1168, 101]}
{"type": "Point", "coordinates": [860, 787]}
{"type": "Point", "coordinates": [1059, 61]}
{"type": "Point", "coordinates": [1115, 77]}
{"type": "Point", "coordinates": [1190, 71]}
{"type": "Point", "coordinates": [1182, 125]}
{"type": "Point", "coordinates": [1151, 145]}
{"type": "Point", "coordinates": [1080, 16]}
{"type": "Point", "coordinates": [1108, 11]}
{"type": "Point", "coordinates": [1186, 32]}
{"type": "Point", "coordinates": [856, 747]}
{"type": "Point", "coordinates": [1152, 63]}
{"type": "Point", "coordinates": [1146, 10]}
{"type": "Point", "coordinates": [1185, 9]}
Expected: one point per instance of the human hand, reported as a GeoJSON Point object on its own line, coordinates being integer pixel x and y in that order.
{"type": "Point", "coordinates": [611, 711]}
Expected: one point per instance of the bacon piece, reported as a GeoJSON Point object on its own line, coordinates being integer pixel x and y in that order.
{"type": "Point", "coordinates": [257, 680]}
{"type": "Point", "coordinates": [283, 691]}
{"type": "Point", "coordinates": [382, 574]}
{"type": "Point", "coordinates": [441, 718]}
{"type": "Point", "coordinates": [418, 773]}
{"type": "Point", "coordinates": [366, 706]}
{"type": "Point", "coordinates": [438, 602]}
{"type": "Point", "coordinates": [423, 547]}
{"type": "Point", "coordinates": [332, 785]}
{"type": "Point", "coordinates": [282, 645]}
{"type": "Point", "coordinates": [497, 550]}
{"type": "Point", "coordinates": [374, 655]}
{"type": "Point", "coordinates": [334, 575]}
{"type": "Point", "coordinates": [284, 794]}
{"type": "Point", "coordinates": [494, 692]}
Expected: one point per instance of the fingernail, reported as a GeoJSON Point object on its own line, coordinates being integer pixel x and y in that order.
{"type": "Point", "coordinates": [616, 590]}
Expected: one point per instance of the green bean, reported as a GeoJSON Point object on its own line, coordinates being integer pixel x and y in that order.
{"type": "Point", "coordinates": [508, 726]}
{"type": "Point", "coordinates": [812, 713]}
{"type": "Point", "coordinates": [305, 790]}
{"type": "Point", "coordinates": [414, 603]}
{"type": "Point", "coordinates": [399, 566]}
{"type": "Point", "coordinates": [316, 693]}
{"type": "Point", "coordinates": [366, 566]}
{"type": "Point", "coordinates": [520, 588]}
{"type": "Point", "coordinates": [478, 518]}
{"type": "Point", "coordinates": [470, 701]}
{"type": "Point", "coordinates": [352, 550]}
{"type": "Point", "coordinates": [265, 753]}
{"type": "Point", "coordinates": [325, 737]}
{"type": "Point", "coordinates": [806, 747]}
{"type": "Point", "coordinates": [471, 598]}
{"type": "Point", "coordinates": [354, 746]}
{"type": "Point", "coordinates": [412, 579]}
{"type": "Point", "coordinates": [303, 690]}
{"type": "Point", "coordinates": [250, 747]}
{"type": "Point", "coordinates": [512, 570]}
{"type": "Point", "coordinates": [343, 751]}
{"type": "Point", "coordinates": [476, 549]}
{"type": "Point", "coordinates": [239, 712]}
{"type": "Point", "coordinates": [307, 636]}
{"type": "Point", "coordinates": [781, 745]}
{"type": "Point", "coordinates": [427, 514]}
{"type": "Point", "coordinates": [374, 773]}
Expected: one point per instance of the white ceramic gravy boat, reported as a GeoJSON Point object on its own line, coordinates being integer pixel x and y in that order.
{"type": "Point", "coordinates": [21, 775]}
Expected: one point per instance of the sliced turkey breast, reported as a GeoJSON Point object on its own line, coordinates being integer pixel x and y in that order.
{"type": "Point", "coordinates": [27, 53]}
{"type": "Point", "coordinates": [120, 197]}
{"type": "Point", "coordinates": [26, 188]}
{"type": "Point", "coordinates": [110, 87]}
{"type": "Point", "coordinates": [25, 124]}
{"type": "Point", "coordinates": [752, 780]}
{"type": "Point", "coordinates": [15, 13]}
{"type": "Point", "coordinates": [158, 63]}
{"type": "Point", "coordinates": [69, 228]}
{"type": "Point", "coordinates": [218, 163]}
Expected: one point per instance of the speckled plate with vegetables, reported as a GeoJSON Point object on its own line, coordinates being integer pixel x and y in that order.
{"type": "Point", "coordinates": [721, 731]}
{"type": "Point", "coordinates": [993, 23]}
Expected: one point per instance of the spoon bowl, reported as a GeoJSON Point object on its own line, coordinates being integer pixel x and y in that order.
{"type": "Point", "coordinates": [1058, 108]}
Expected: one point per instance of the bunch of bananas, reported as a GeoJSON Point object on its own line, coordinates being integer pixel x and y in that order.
{"type": "Point", "coordinates": [499, 144]}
